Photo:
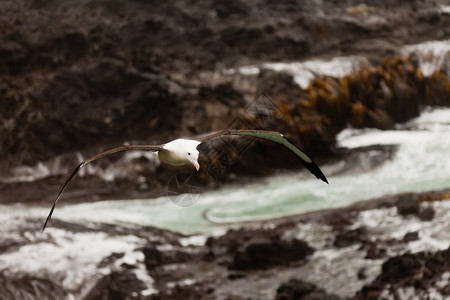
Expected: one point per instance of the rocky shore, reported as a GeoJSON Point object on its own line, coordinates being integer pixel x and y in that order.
{"type": "Point", "coordinates": [80, 77]}
{"type": "Point", "coordinates": [369, 250]}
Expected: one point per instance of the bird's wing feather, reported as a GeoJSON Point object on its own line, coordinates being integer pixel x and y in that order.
{"type": "Point", "coordinates": [95, 157]}
{"type": "Point", "coordinates": [276, 137]}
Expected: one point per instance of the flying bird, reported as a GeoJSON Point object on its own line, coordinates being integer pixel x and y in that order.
{"type": "Point", "coordinates": [184, 151]}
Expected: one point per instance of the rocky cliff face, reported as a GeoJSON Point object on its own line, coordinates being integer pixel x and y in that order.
{"type": "Point", "coordinates": [84, 75]}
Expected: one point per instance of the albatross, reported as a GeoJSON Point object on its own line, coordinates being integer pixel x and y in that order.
{"type": "Point", "coordinates": [184, 151]}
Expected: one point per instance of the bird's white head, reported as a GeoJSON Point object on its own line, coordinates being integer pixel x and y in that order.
{"type": "Point", "coordinates": [192, 155]}
{"type": "Point", "coordinates": [180, 152]}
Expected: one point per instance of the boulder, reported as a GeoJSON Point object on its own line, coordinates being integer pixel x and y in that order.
{"type": "Point", "coordinates": [296, 289]}
{"type": "Point", "coordinates": [262, 253]}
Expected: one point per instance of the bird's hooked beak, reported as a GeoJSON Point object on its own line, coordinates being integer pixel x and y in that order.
{"type": "Point", "coordinates": [196, 164]}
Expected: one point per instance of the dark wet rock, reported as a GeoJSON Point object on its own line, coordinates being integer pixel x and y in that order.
{"type": "Point", "coordinates": [445, 290]}
{"type": "Point", "coordinates": [340, 221]}
{"type": "Point", "coordinates": [295, 289]}
{"type": "Point", "coordinates": [263, 253]}
{"type": "Point", "coordinates": [255, 249]}
{"type": "Point", "coordinates": [374, 250]}
{"type": "Point", "coordinates": [362, 273]}
{"type": "Point", "coordinates": [421, 270]}
{"type": "Point", "coordinates": [110, 259]}
{"type": "Point", "coordinates": [122, 96]}
{"type": "Point", "coordinates": [235, 275]}
{"type": "Point", "coordinates": [426, 213]}
{"type": "Point", "coordinates": [155, 258]}
{"type": "Point", "coordinates": [302, 290]}
{"type": "Point", "coordinates": [188, 292]}
{"type": "Point", "coordinates": [117, 285]}
{"type": "Point", "coordinates": [122, 284]}
{"type": "Point", "coordinates": [369, 292]}
{"type": "Point", "coordinates": [276, 84]}
{"type": "Point", "coordinates": [350, 237]}
{"type": "Point", "coordinates": [411, 236]}
{"type": "Point", "coordinates": [407, 206]}
{"type": "Point", "coordinates": [30, 287]}
{"type": "Point", "coordinates": [231, 241]}
{"type": "Point", "coordinates": [399, 267]}
{"type": "Point", "coordinates": [412, 206]}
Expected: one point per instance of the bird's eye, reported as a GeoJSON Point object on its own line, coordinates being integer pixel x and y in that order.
{"type": "Point", "coordinates": [189, 153]}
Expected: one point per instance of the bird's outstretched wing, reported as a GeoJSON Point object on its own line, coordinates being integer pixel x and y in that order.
{"type": "Point", "coordinates": [95, 157]}
{"type": "Point", "coordinates": [276, 137]}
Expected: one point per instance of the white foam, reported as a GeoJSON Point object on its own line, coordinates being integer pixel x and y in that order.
{"type": "Point", "coordinates": [333, 269]}
{"type": "Point", "coordinates": [304, 72]}
{"type": "Point", "coordinates": [72, 258]}
{"type": "Point", "coordinates": [434, 235]}
{"type": "Point", "coordinates": [194, 240]}
{"type": "Point", "coordinates": [184, 282]}
{"type": "Point", "coordinates": [431, 55]}
{"type": "Point", "coordinates": [445, 9]}
{"type": "Point", "coordinates": [439, 115]}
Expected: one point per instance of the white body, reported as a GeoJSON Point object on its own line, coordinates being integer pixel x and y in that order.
{"type": "Point", "coordinates": [180, 152]}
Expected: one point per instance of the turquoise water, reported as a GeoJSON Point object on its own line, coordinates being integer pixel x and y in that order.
{"type": "Point", "coordinates": [422, 163]}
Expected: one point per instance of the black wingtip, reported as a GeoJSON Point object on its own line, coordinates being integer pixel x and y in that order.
{"type": "Point", "coordinates": [48, 218]}
{"type": "Point", "coordinates": [314, 169]}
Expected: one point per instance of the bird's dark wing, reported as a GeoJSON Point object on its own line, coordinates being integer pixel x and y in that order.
{"type": "Point", "coordinates": [276, 137]}
{"type": "Point", "coordinates": [95, 157]}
